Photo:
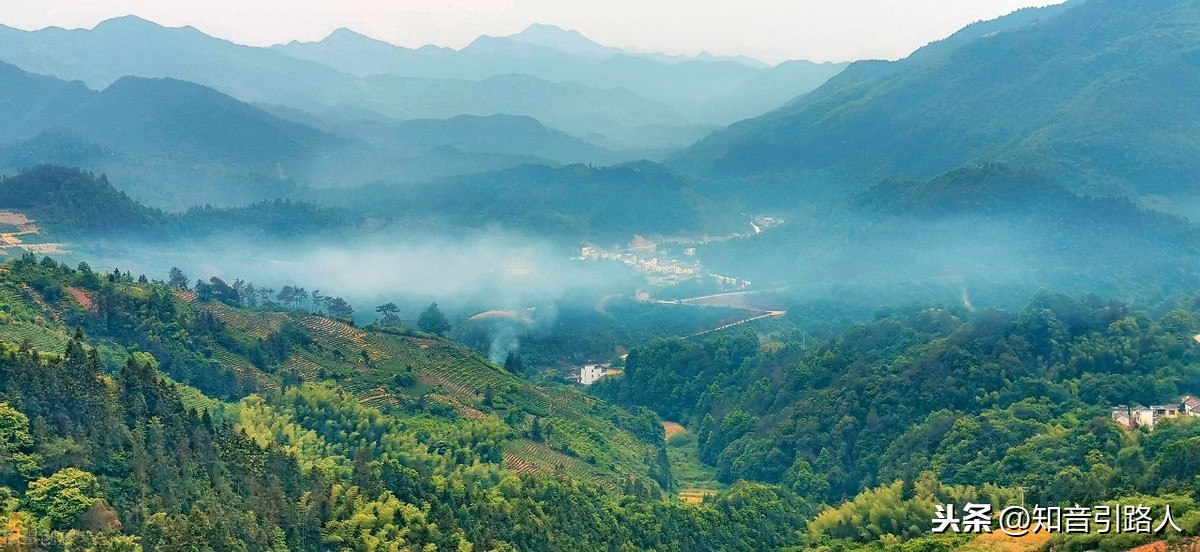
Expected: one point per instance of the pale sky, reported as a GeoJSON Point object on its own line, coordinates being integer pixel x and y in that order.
{"type": "Point", "coordinates": [771, 30]}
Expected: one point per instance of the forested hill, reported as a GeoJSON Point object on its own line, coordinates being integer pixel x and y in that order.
{"type": "Point", "coordinates": [1016, 400]}
{"type": "Point", "coordinates": [570, 203]}
{"type": "Point", "coordinates": [1074, 92]}
{"type": "Point", "coordinates": [574, 202]}
{"type": "Point", "coordinates": [140, 414]}
{"type": "Point", "coordinates": [81, 205]}
{"type": "Point", "coordinates": [995, 232]}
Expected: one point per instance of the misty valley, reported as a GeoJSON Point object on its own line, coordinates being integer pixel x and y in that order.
{"type": "Point", "coordinates": [542, 293]}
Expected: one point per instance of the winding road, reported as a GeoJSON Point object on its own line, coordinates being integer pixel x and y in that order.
{"type": "Point", "coordinates": [723, 300]}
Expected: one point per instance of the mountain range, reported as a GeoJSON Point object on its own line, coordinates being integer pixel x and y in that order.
{"type": "Point", "coordinates": [707, 89]}
{"type": "Point", "coordinates": [1071, 90]}
{"type": "Point", "coordinates": [1061, 93]}
{"type": "Point", "coordinates": [566, 81]}
{"type": "Point", "coordinates": [174, 144]}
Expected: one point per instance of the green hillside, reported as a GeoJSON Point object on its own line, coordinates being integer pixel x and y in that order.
{"type": "Point", "coordinates": [500, 134]}
{"type": "Point", "coordinates": [925, 405]}
{"type": "Point", "coordinates": [249, 351]}
{"type": "Point", "coordinates": [166, 184]}
{"type": "Point", "coordinates": [1099, 96]}
{"type": "Point", "coordinates": [329, 434]}
{"type": "Point", "coordinates": [577, 202]}
{"type": "Point", "coordinates": [995, 232]}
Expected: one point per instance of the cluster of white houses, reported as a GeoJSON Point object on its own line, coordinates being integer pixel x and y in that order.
{"type": "Point", "coordinates": [658, 271]}
{"type": "Point", "coordinates": [1146, 416]}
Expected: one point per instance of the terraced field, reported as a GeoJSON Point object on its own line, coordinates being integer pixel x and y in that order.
{"type": "Point", "coordinates": [334, 334]}
{"type": "Point", "coordinates": [451, 367]}
{"type": "Point", "coordinates": [524, 456]}
{"type": "Point", "coordinates": [10, 294]}
{"type": "Point", "coordinates": [465, 410]}
{"type": "Point", "coordinates": [49, 311]}
{"type": "Point", "coordinates": [379, 398]}
{"type": "Point", "coordinates": [244, 370]}
{"type": "Point", "coordinates": [451, 376]}
{"type": "Point", "coordinates": [304, 367]}
{"type": "Point", "coordinates": [384, 371]}
{"type": "Point", "coordinates": [519, 464]}
{"type": "Point", "coordinates": [437, 379]}
{"type": "Point", "coordinates": [41, 337]}
{"type": "Point", "coordinates": [184, 295]}
{"type": "Point", "coordinates": [254, 323]}
{"type": "Point", "coordinates": [13, 300]}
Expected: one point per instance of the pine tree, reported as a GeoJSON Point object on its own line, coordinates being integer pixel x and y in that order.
{"type": "Point", "coordinates": [433, 321]}
{"type": "Point", "coordinates": [177, 279]}
{"type": "Point", "coordinates": [536, 432]}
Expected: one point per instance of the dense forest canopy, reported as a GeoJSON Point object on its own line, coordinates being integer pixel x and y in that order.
{"type": "Point", "coordinates": [1018, 400]}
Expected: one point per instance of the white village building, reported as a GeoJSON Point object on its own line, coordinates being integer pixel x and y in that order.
{"type": "Point", "coordinates": [589, 373]}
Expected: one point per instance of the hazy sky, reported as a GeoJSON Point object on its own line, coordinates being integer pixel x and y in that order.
{"type": "Point", "coordinates": [771, 30]}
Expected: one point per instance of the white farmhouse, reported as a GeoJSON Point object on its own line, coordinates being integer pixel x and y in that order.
{"type": "Point", "coordinates": [589, 373]}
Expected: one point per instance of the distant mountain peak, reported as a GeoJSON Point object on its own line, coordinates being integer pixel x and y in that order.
{"type": "Point", "coordinates": [546, 29]}
{"type": "Point", "coordinates": [343, 34]}
{"type": "Point", "coordinates": [127, 22]}
{"type": "Point", "coordinates": [129, 26]}
{"type": "Point", "coordinates": [558, 38]}
{"type": "Point", "coordinates": [347, 38]}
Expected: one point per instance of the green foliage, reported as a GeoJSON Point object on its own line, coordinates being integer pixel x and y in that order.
{"type": "Point", "coordinates": [976, 398]}
{"type": "Point", "coordinates": [584, 333]}
{"type": "Point", "coordinates": [372, 456]}
{"type": "Point", "coordinates": [62, 497]}
{"type": "Point", "coordinates": [513, 364]}
{"type": "Point", "coordinates": [72, 201]}
{"type": "Point", "coordinates": [885, 512]}
{"type": "Point", "coordinates": [433, 321]}
{"type": "Point", "coordinates": [1184, 512]}
{"type": "Point", "coordinates": [15, 444]}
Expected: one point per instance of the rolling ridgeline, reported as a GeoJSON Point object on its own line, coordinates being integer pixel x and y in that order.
{"type": "Point", "coordinates": [1053, 148]}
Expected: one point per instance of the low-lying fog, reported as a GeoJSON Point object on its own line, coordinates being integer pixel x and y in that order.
{"type": "Point", "coordinates": [488, 270]}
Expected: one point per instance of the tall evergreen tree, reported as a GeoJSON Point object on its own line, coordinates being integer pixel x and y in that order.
{"type": "Point", "coordinates": [433, 321]}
